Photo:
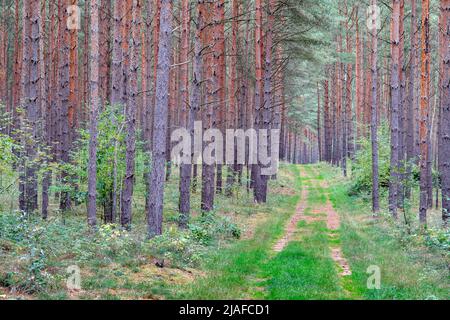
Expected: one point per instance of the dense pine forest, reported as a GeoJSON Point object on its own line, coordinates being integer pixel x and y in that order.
{"type": "Point", "coordinates": [224, 149]}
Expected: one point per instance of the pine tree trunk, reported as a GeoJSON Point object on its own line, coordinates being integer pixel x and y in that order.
{"type": "Point", "coordinates": [401, 110]}
{"type": "Point", "coordinates": [349, 111]}
{"type": "Point", "coordinates": [395, 101]}
{"type": "Point", "coordinates": [444, 147]}
{"type": "Point", "coordinates": [64, 94]}
{"type": "Point", "coordinates": [117, 57]}
{"type": "Point", "coordinates": [188, 104]}
{"type": "Point", "coordinates": [374, 120]}
{"type": "Point", "coordinates": [94, 105]}
{"type": "Point", "coordinates": [424, 107]}
{"type": "Point", "coordinates": [209, 114]}
{"type": "Point", "coordinates": [220, 21]}
{"type": "Point", "coordinates": [232, 169]}
{"type": "Point", "coordinates": [410, 119]}
{"type": "Point", "coordinates": [444, 136]}
{"type": "Point", "coordinates": [130, 118]}
{"type": "Point", "coordinates": [33, 107]}
{"type": "Point", "coordinates": [256, 168]}
{"type": "Point", "coordinates": [156, 199]}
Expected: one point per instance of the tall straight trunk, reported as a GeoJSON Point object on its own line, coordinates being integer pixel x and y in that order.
{"type": "Point", "coordinates": [24, 101]}
{"type": "Point", "coordinates": [152, 98]}
{"type": "Point", "coordinates": [348, 94]}
{"type": "Point", "coordinates": [211, 99]}
{"type": "Point", "coordinates": [327, 120]}
{"type": "Point", "coordinates": [171, 121]}
{"type": "Point", "coordinates": [17, 69]}
{"type": "Point", "coordinates": [410, 110]}
{"type": "Point", "coordinates": [126, 26]}
{"type": "Point", "coordinates": [233, 105]}
{"type": "Point", "coordinates": [430, 137]}
{"type": "Point", "coordinates": [147, 84]}
{"type": "Point", "coordinates": [265, 144]}
{"type": "Point", "coordinates": [401, 109]}
{"type": "Point", "coordinates": [44, 56]}
{"type": "Point", "coordinates": [187, 105]}
{"type": "Point", "coordinates": [156, 199]}
{"type": "Point", "coordinates": [220, 12]}
{"type": "Point", "coordinates": [395, 100]}
{"type": "Point", "coordinates": [359, 79]}
{"type": "Point", "coordinates": [64, 94]}
{"type": "Point", "coordinates": [374, 121]}
{"type": "Point", "coordinates": [319, 124]}
{"type": "Point", "coordinates": [278, 95]}
{"type": "Point", "coordinates": [85, 78]}
{"type": "Point", "coordinates": [73, 106]}
{"type": "Point", "coordinates": [424, 107]}
{"type": "Point", "coordinates": [131, 109]}
{"type": "Point", "coordinates": [33, 106]}
{"type": "Point", "coordinates": [156, 31]}
{"type": "Point", "coordinates": [334, 132]}
{"type": "Point", "coordinates": [104, 43]}
{"type": "Point", "coordinates": [444, 147]}
{"type": "Point", "coordinates": [94, 105]}
{"type": "Point", "coordinates": [256, 169]}
{"type": "Point", "coordinates": [117, 56]}
{"type": "Point", "coordinates": [367, 93]}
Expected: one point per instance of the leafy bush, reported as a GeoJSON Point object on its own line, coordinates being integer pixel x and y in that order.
{"type": "Point", "coordinates": [211, 226]}
{"type": "Point", "coordinates": [186, 247]}
{"type": "Point", "coordinates": [177, 246]}
{"type": "Point", "coordinates": [362, 166]}
{"type": "Point", "coordinates": [438, 238]}
{"type": "Point", "coordinates": [111, 149]}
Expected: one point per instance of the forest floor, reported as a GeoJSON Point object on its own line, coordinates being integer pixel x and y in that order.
{"type": "Point", "coordinates": [325, 247]}
{"type": "Point", "coordinates": [310, 241]}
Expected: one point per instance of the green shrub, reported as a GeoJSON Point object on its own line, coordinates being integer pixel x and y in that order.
{"type": "Point", "coordinates": [177, 246]}
{"type": "Point", "coordinates": [438, 238]}
{"type": "Point", "coordinates": [362, 165]}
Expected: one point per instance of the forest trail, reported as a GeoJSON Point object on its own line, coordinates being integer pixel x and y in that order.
{"type": "Point", "coordinates": [317, 243]}
{"type": "Point", "coordinates": [315, 209]}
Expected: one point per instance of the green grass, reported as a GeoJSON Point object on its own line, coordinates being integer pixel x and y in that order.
{"type": "Point", "coordinates": [409, 270]}
{"type": "Point", "coordinates": [234, 273]}
{"type": "Point", "coordinates": [304, 270]}
{"type": "Point", "coordinates": [117, 266]}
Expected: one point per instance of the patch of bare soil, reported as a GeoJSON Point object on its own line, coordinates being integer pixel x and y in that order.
{"type": "Point", "coordinates": [333, 223]}
{"type": "Point", "coordinates": [291, 227]}
{"type": "Point", "coordinates": [338, 257]}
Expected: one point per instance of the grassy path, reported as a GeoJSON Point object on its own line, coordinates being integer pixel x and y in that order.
{"type": "Point", "coordinates": [317, 243]}
{"type": "Point", "coordinates": [312, 265]}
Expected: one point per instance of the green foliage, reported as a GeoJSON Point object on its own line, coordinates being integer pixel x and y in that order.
{"type": "Point", "coordinates": [438, 238]}
{"type": "Point", "coordinates": [186, 247]}
{"type": "Point", "coordinates": [7, 156]}
{"type": "Point", "coordinates": [18, 232]}
{"type": "Point", "coordinates": [212, 226]}
{"type": "Point", "coordinates": [180, 247]}
{"type": "Point", "coordinates": [110, 151]}
{"type": "Point", "coordinates": [362, 166]}
{"type": "Point", "coordinates": [7, 173]}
